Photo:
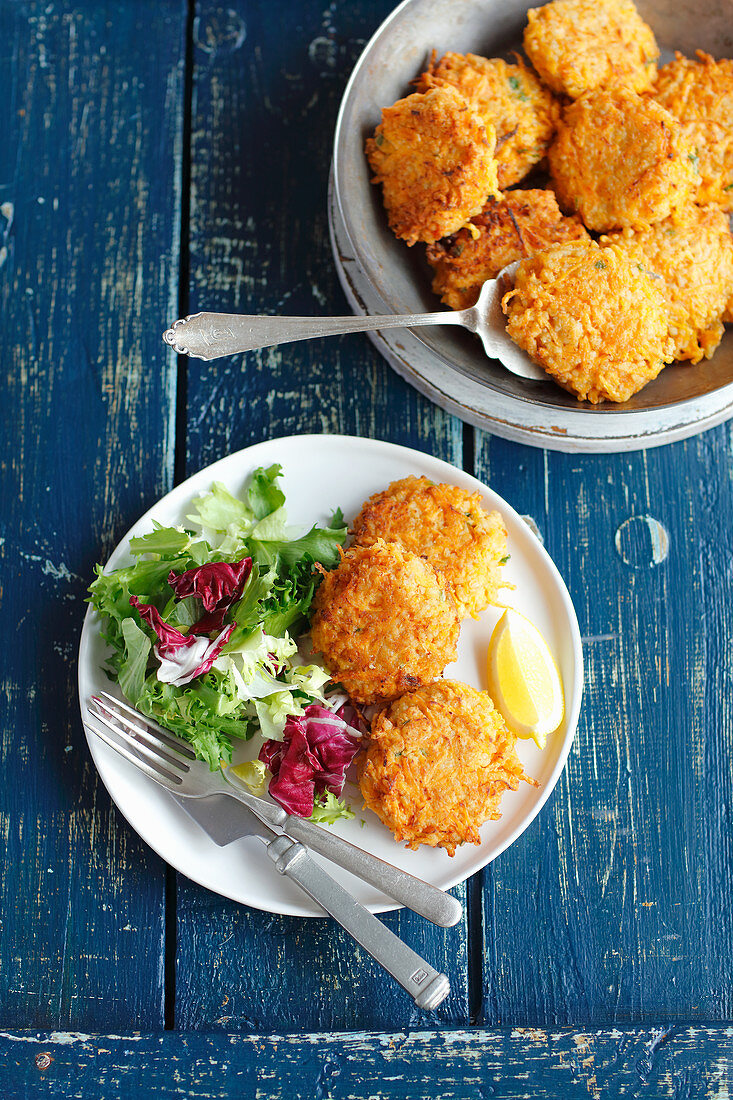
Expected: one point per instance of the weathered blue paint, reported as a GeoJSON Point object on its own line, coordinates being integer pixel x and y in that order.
{"type": "Point", "coordinates": [90, 145]}
{"type": "Point", "coordinates": [259, 242]}
{"type": "Point", "coordinates": [619, 885]}
{"type": "Point", "coordinates": [655, 1063]}
{"type": "Point", "coordinates": [611, 909]}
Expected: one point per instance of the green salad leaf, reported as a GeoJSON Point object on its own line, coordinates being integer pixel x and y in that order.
{"type": "Point", "coordinates": [328, 809]}
{"type": "Point", "coordinates": [257, 680]}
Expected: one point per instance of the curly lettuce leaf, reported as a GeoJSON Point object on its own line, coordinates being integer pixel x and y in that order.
{"type": "Point", "coordinates": [263, 494]}
{"type": "Point", "coordinates": [229, 701]}
{"type": "Point", "coordinates": [328, 809]}
{"type": "Point", "coordinates": [219, 511]}
{"type": "Point", "coordinates": [165, 541]}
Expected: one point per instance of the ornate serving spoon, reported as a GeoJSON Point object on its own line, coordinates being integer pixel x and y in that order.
{"type": "Point", "coordinates": [211, 335]}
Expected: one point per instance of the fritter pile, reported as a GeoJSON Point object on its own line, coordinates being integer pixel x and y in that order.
{"type": "Point", "coordinates": [700, 96]}
{"type": "Point", "coordinates": [438, 763]}
{"type": "Point", "coordinates": [434, 157]}
{"type": "Point", "coordinates": [520, 224]}
{"type": "Point", "coordinates": [579, 45]}
{"type": "Point", "coordinates": [446, 526]}
{"type": "Point", "coordinates": [620, 160]}
{"type": "Point", "coordinates": [510, 99]}
{"type": "Point", "coordinates": [639, 154]}
{"type": "Point", "coordinates": [692, 253]}
{"type": "Point", "coordinates": [384, 622]}
{"type": "Point", "coordinates": [593, 318]}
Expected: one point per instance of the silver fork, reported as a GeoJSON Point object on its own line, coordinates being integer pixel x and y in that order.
{"type": "Point", "coordinates": [171, 763]}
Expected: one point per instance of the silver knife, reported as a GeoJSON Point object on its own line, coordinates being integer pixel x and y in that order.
{"type": "Point", "coordinates": [427, 986]}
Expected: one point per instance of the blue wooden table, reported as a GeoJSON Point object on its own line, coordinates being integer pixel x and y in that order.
{"type": "Point", "coordinates": [157, 157]}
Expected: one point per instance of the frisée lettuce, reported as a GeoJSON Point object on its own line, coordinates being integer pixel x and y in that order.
{"type": "Point", "coordinates": [201, 626]}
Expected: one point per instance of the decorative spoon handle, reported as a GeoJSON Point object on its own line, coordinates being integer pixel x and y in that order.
{"type": "Point", "coordinates": [211, 335]}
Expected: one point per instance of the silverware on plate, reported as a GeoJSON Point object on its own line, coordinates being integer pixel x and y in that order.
{"type": "Point", "coordinates": [170, 762]}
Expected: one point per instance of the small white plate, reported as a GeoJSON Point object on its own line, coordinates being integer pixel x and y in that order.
{"type": "Point", "coordinates": [321, 473]}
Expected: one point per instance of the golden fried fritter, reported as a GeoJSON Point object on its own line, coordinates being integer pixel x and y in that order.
{"type": "Point", "coordinates": [447, 527]}
{"type": "Point", "coordinates": [384, 622]}
{"type": "Point", "coordinates": [522, 223]}
{"type": "Point", "coordinates": [592, 318]}
{"type": "Point", "coordinates": [692, 252]}
{"type": "Point", "coordinates": [437, 765]}
{"type": "Point", "coordinates": [508, 97]}
{"type": "Point", "coordinates": [579, 45]}
{"type": "Point", "coordinates": [620, 160]}
{"type": "Point", "coordinates": [700, 96]}
{"type": "Point", "coordinates": [434, 157]}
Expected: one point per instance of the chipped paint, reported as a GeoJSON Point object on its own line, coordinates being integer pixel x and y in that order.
{"type": "Point", "coordinates": [642, 541]}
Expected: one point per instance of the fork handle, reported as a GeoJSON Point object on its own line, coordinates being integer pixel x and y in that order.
{"type": "Point", "coordinates": [427, 986]}
{"type": "Point", "coordinates": [415, 893]}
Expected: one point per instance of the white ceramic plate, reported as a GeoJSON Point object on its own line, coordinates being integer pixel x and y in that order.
{"type": "Point", "coordinates": [321, 473]}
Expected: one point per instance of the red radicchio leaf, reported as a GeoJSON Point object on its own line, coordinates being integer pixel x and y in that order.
{"type": "Point", "coordinates": [312, 758]}
{"type": "Point", "coordinates": [294, 785]}
{"type": "Point", "coordinates": [217, 584]}
{"type": "Point", "coordinates": [182, 657]}
{"type": "Point", "coordinates": [352, 717]}
{"type": "Point", "coordinates": [170, 637]}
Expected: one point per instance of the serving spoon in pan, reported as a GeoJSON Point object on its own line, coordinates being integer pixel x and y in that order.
{"type": "Point", "coordinates": [211, 335]}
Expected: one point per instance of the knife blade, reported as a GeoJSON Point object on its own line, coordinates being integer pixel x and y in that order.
{"type": "Point", "coordinates": [420, 896]}
{"type": "Point", "coordinates": [224, 819]}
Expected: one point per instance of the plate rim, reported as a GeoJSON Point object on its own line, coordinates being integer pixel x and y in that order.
{"type": "Point", "coordinates": [242, 457]}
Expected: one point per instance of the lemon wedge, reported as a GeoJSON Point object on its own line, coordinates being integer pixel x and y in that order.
{"type": "Point", "coordinates": [523, 678]}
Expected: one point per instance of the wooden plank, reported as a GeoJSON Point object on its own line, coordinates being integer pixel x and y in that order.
{"type": "Point", "coordinates": [653, 1062]}
{"type": "Point", "coordinates": [265, 105]}
{"type": "Point", "coordinates": [618, 886]}
{"type": "Point", "coordinates": [89, 210]}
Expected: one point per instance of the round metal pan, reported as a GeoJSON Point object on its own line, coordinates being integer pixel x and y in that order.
{"type": "Point", "coordinates": [381, 275]}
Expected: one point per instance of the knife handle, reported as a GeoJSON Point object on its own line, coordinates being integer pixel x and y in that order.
{"type": "Point", "coordinates": [427, 986]}
{"type": "Point", "coordinates": [415, 893]}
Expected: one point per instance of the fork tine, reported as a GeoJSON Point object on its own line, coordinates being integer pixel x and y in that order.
{"type": "Point", "coordinates": [164, 735]}
{"type": "Point", "coordinates": [137, 729]}
{"type": "Point", "coordinates": [134, 737]}
{"type": "Point", "coordinates": [125, 750]}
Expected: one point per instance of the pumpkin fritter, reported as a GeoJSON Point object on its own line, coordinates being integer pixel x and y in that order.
{"type": "Point", "coordinates": [447, 527]}
{"type": "Point", "coordinates": [692, 252]}
{"type": "Point", "coordinates": [518, 225]}
{"type": "Point", "coordinates": [592, 318]}
{"type": "Point", "coordinates": [700, 96]}
{"type": "Point", "coordinates": [508, 97]}
{"type": "Point", "coordinates": [434, 158]}
{"type": "Point", "coordinates": [437, 765]}
{"type": "Point", "coordinates": [384, 622]}
{"type": "Point", "coordinates": [579, 45]}
{"type": "Point", "coordinates": [620, 160]}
